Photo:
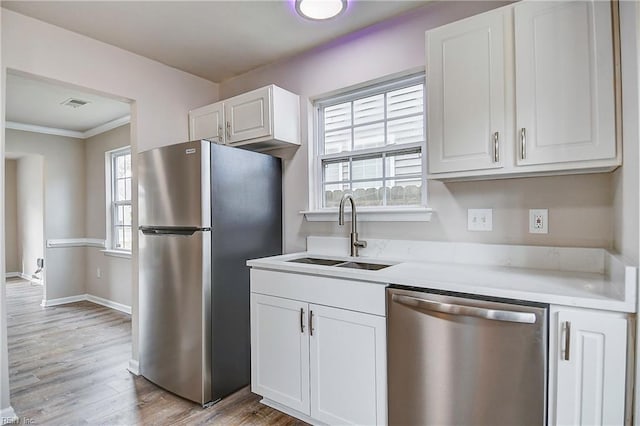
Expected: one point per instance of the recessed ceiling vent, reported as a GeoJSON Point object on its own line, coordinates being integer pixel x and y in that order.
{"type": "Point", "coordinates": [74, 103]}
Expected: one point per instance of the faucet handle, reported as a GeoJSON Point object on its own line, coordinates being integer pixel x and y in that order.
{"type": "Point", "coordinates": [360, 244]}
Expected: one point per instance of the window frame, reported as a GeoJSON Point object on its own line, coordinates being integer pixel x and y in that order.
{"type": "Point", "coordinates": [316, 157]}
{"type": "Point", "coordinates": [111, 203]}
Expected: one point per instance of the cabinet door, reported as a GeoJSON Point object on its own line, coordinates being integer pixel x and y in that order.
{"type": "Point", "coordinates": [207, 123]}
{"type": "Point", "coordinates": [280, 351]}
{"type": "Point", "coordinates": [590, 368]}
{"type": "Point", "coordinates": [564, 82]}
{"type": "Point", "coordinates": [348, 367]}
{"type": "Point", "coordinates": [248, 115]}
{"type": "Point", "coordinates": [466, 94]}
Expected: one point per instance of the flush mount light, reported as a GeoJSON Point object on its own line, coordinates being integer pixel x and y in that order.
{"type": "Point", "coordinates": [319, 10]}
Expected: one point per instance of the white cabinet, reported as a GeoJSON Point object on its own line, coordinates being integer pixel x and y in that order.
{"type": "Point", "coordinates": [207, 123]}
{"type": "Point", "coordinates": [320, 363]}
{"type": "Point", "coordinates": [564, 81]}
{"type": "Point", "coordinates": [523, 90]}
{"type": "Point", "coordinates": [588, 358]}
{"type": "Point", "coordinates": [261, 120]}
{"type": "Point", "coordinates": [465, 78]}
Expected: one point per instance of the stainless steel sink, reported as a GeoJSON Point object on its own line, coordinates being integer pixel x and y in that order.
{"type": "Point", "coordinates": [315, 261]}
{"type": "Point", "coordinates": [363, 265]}
{"type": "Point", "coordinates": [340, 263]}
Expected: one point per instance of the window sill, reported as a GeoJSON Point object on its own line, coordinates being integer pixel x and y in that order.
{"type": "Point", "coordinates": [397, 214]}
{"type": "Point", "coordinates": [117, 253]}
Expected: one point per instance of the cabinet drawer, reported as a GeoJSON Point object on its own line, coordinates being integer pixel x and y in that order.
{"type": "Point", "coordinates": [361, 296]}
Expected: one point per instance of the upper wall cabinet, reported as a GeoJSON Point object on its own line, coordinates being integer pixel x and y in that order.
{"type": "Point", "coordinates": [260, 120]}
{"type": "Point", "coordinates": [523, 90]}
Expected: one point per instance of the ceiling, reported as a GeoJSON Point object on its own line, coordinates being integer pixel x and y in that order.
{"type": "Point", "coordinates": [215, 40]}
{"type": "Point", "coordinates": [38, 102]}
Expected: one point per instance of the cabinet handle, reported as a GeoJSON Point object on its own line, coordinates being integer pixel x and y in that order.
{"type": "Point", "coordinates": [567, 340]}
{"type": "Point", "coordinates": [311, 323]}
{"type": "Point", "coordinates": [228, 130]}
{"type": "Point", "coordinates": [302, 320]}
{"type": "Point", "coordinates": [523, 143]}
{"type": "Point", "coordinates": [496, 147]}
{"type": "Point", "coordinates": [220, 133]}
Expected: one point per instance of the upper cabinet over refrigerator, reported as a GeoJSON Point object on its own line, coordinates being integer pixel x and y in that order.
{"type": "Point", "coordinates": [260, 120]}
{"type": "Point", "coordinates": [523, 90]}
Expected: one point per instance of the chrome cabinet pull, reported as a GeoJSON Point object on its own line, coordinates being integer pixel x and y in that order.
{"type": "Point", "coordinates": [311, 323]}
{"type": "Point", "coordinates": [220, 132]}
{"type": "Point", "coordinates": [468, 311]}
{"type": "Point", "coordinates": [496, 147]}
{"type": "Point", "coordinates": [567, 340]}
{"type": "Point", "coordinates": [302, 320]}
{"type": "Point", "coordinates": [228, 130]}
{"type": "Point", "coordinates": [523, 143]}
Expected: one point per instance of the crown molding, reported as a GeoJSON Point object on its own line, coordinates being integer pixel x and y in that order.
{"type": "Point", "coordinates": [69, 133]}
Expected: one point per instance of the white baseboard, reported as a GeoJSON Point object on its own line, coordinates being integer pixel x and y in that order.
{"type": "Point", "coordinates": [12, 275]}
{"type": "Point", "coordinates": [89, 298]}
{"type": "Point", "coordinates": [63, 300]}
{"type": "Point", "coordinates": [134, 367]}
{"type": "Point", "coordinates": [8, 416]}
{"type": "Point", "coordinates": [109, 303]}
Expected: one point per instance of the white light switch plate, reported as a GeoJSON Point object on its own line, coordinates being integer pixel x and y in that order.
{"type": "Point", "coordinates": [480, 220]}
{"type": "Point", "coordinates": [538, 221]}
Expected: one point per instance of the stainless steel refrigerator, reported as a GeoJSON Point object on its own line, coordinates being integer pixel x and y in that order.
{"type": "Point", "coordinates": [204, 209]}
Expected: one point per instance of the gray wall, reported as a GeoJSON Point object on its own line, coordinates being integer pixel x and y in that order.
{"type": "Point", "coordinates": [115, 281]}
{"type": "Point", "coordinates": [64, 204]}
{"type": "Point", "coordinates": [10, 216]}
{"type": "Point", "coordinates": [581, 207]}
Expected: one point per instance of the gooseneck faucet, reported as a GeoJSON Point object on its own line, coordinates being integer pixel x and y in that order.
{"type": "Point", "coordinates": [355, 244]}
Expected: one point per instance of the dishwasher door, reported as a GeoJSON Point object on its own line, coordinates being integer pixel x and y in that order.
{"type": "Point", "coordinates": [456, 360]}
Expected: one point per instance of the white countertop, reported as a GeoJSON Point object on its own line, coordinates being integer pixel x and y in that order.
{"type": "Point", "coordinates": [613, 290]}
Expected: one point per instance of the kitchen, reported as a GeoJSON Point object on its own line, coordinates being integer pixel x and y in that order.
{"type": "Point", "coordinates": [595, 210]}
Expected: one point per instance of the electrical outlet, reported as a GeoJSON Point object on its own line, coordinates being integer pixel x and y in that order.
{"type": "Point", "coordinates": [480, 220]}
{"type": "Point", "coordinates": [98, 273]}
{"type": "Point", "coordinates": [538, 221]}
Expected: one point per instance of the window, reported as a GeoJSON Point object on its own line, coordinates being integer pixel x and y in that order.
{"type": "Point", "coordinates": [119, 201]}
{"type": "Point", "coordinates": [371, 144]}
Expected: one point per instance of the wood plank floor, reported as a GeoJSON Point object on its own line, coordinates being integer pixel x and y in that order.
{"type": "Point", "coordinates": [68, 365]}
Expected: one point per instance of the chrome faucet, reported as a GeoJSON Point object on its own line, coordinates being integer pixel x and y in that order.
{"type": "Point", "coordinates": [355, 244]}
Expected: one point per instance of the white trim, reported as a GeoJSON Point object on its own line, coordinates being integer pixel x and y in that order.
{"type": "Point", "coordinates": [134, 367]}
{"type": "Point", "coordinates": [23, 276]}
{"type": "Point", "coordinates": [389, 214]}
{"type": "Point", "coordinates": [108, 303]}
{"type": "Point", "coordinates": [107, 126]}
{"type": "Point", "coordinates": [62, 300]}
{"type": "Point", "coordinates": [70, 133]}
{"type": "Point", "coordinates": [8, 416]}
{"type": "Point", "coordinates": [12, 275]}
{"type": "Point", "coordinates": [88, 298]}
{"type": "Point", "coordinates": [117, 253]}
{"type": "Point", "coordinates": [76, 242]}
{"type": "Point", "coordinates": [42, 129]}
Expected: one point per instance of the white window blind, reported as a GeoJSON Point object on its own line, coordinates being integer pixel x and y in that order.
{"type": "Point", "coordinates": [371, 144]}
{"type": "Point", "coordinates": [121, 224]}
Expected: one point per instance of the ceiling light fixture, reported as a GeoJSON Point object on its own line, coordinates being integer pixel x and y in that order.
{"type": "Point", "coordinates": [320, 10]}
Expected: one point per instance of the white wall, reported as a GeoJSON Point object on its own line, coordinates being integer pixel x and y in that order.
{"type": "Point", "coordinates": [114, 283]}
{"type": "Point", "coordinates": [11, 216]}
{"type": "Point", "coordinates": [581, 207]}
{"type": "Point", "coordinates": [30, 210]}
{"type": "Point", "coordinates": [161, 98]}
{"type": "Point", "coordinates": [64, 204]}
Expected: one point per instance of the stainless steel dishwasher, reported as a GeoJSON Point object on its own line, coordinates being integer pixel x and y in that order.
{"type": "Point", "coordinates": [456, 359]}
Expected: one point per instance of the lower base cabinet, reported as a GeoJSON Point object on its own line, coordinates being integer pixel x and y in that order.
{"type": "Point", "coordinates": [322, 362]}
{"type": "Point", "coordinates": [588, 367]}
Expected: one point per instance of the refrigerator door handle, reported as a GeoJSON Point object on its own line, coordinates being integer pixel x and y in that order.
{"type": "Point", "coordinates": [470, 311]}
{"type": "Point", "coordinates": [187, 231]}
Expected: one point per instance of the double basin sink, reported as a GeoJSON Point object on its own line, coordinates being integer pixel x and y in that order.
{"type": "Point", "coordinates": [341, 263]}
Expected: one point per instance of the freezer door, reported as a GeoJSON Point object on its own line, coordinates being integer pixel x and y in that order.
{"type": "Point", "coordinates": [174, 184]}
{"type": "Point", "coordinates": [461, 361]}
{"type": "Point", "coordinates": [175, 315]}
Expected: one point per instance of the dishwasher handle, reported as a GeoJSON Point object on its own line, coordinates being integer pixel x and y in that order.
{"type": "Point", "coordinates": [468, 311]}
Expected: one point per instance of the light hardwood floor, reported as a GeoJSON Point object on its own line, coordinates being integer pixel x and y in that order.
{"type": "Point", "coordinates": [68, 365]}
